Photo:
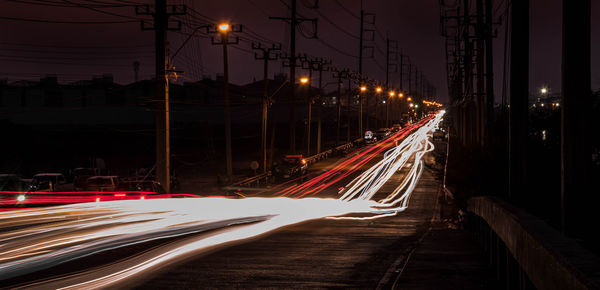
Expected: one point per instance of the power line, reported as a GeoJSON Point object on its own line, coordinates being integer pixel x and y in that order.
{"type": "Point", "coordinates": [77, 47]}
{"type": "Point", "coordinates": [64, 21]}
{"type": "Point", "coordinates": [347, 10]}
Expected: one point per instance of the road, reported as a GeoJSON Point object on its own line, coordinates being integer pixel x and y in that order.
{"type": "Point", "coordinates": [131, 242]}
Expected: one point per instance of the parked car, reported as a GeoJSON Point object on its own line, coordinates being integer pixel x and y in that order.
{"type": "Point", "coordinates": [12, 182]}
{"type": "Point", "coordinates": [396, 127]}
{"type": "Point", "coordinates": [81, 175]}
{"type": "Point", "coordinates": [49, 182]}
{"type": "Point", "coordinates": [291, 166]}
{"type": "Point", "coordinates": [103, 183]}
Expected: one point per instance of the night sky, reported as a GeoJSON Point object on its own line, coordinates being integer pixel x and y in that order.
{"type": "Point", "coordinates": [79, 51]}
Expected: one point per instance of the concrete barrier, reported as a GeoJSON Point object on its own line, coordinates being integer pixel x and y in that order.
{"type": "Point", "coordinates": [549, 259]}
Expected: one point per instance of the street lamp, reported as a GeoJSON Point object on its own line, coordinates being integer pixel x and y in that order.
{"type": "Point", "coordinates": [409, 99]}
{"type": "Point", "coordinates": [544, 91]}
{"type": "Point", "coordinates": [387, 109]}
{"type": "Point", "coordinates": [305, 81]}
{"type": "Point", "coordinates": [224, 27]}
{"type": "Point", "coordinates": [363, 89]}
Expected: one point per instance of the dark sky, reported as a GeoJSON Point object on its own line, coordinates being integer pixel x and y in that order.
{"type": "Point", "coordinates": [72, 51]}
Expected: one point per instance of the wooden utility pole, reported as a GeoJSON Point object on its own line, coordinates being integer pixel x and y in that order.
{"type": "Point", "coordinates": [349, 108]}
{"type": "Point", "coordinates": [294, 21]}
{"type": "Point", "coordinates": [224, 30]}
{"type": "Point", "coordinates": [266, 56]}
{"type": "Point", "coordinates": [339, 74]}
{"type": "Point", "coordinates": [161, 25]}
{"type": "Point", "coordinates": [321, 68]}
{"type": "Point", "coordinates": [578, 200]}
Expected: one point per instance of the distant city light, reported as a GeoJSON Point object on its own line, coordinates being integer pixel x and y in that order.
{"type": "Point", "coordinates": [378, 89]}
{"type": "Point", "coordinates": [544, 90]}
{"type": "Point", "coordinates": [363, 88]}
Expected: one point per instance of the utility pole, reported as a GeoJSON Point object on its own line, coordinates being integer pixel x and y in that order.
{"type": "Point", "coordinates": [360, 50]}
{"type": "Point", "coordinates": [339, 74]}
{"type": "Point", "coordinates": [294, 22]}
{"type": "Point", "coordinates": [519, 99]}
{"type": "Point", "coordinates": [224, 30]}
{"type": "Point", "coordinates": [410, 80]}
{"type": "Point", "coordinates": [391, 50]}
{"type": "Point", "coordinates": [322, 66]}
{"type": "Point", "coordinates": [266, 56]}
{"type": "Point", "coordinates": [402, 92]}
{"type": "Point", "coordinates": [349, 91]}
{"type": "Point", "coordinates": [577, 199]}
{"type": "Point", "coordinates": [161, 25]}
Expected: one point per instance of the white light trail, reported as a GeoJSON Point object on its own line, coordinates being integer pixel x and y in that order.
{"type": "Point", "coordinates": [43, 238]}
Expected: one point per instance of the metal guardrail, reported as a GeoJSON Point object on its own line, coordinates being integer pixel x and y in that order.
{"type": "Point", "coordinates": [256, 179]}
{"type": "Point", "coordinates": [526, 252]}
{"type": "Point", "coordinates": [325, 154]}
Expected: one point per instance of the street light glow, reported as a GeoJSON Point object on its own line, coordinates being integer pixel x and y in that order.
{"type": "Point", "coordinates": [409, 99]}
{"type": "Point", "coordinates": [363, 88]}
{"type": "Point", "coordinates": [224, 27]}
{"type": "Point", "coordinates": [411, 105]}
{"type": "Point", "coordinates": [378, 89]}
{"type": "Point", "coordinates": [544, 90]}
{"type": "Point", "coordinates": [392, 94]}
{"type": "Point", "coordinates": [304, 80]}
{"type": "Point", "coordinates": [400, 95]}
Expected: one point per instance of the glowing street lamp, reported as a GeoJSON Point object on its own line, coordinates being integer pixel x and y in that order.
{"type": "Point", "coordinates": [411, 105]}
{"type": "Point", "coordinates": [378, 89]}
{"type": "Point", "coordinates": [392, 93]}
{"type": "Point", "coordinates": [544, 90]}
{"type": "Point", "coordinates": [304, 80]}
{"type": "Point", "coordinates": [224, 27]}
{"type": "Point", "coordinates": [409, 99]}
{"type": "Point", "coordinates": [363, 89]}
{"type": "Point", "coordinates": [400, 95]}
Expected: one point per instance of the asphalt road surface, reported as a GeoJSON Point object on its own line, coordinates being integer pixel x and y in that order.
{"type": "Point", "coordinates": [288, 245]}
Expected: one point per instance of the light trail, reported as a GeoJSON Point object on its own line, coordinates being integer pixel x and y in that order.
{"type": "Point", "coordinates": [37, 239]}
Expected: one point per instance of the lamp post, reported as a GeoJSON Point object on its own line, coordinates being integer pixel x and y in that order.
{"type": "Point", "coordinates": [363, 91]}
{"type": "Point", "coordinates": [387, 109]}
{"type": "Point", "coordinates": [306, 81]}
{"type": "Point", "coordinates": [223, 30]}
{"type": "Point", "coordinates": [378, 91]}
